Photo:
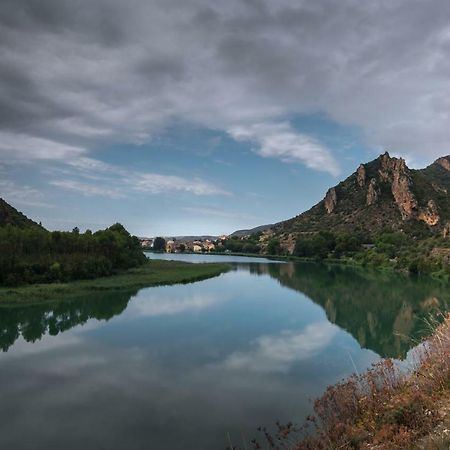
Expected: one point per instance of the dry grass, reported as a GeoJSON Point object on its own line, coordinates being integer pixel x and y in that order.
{"type": "Point", "coordinates": [382, 409]}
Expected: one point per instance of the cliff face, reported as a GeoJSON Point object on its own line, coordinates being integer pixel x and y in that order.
{"type": "Point", "coordinates": [395, 172]}
{"type": "Point", "coordinates": [382, 193]}
{"type": "Point", "coordinates": [330, 201]}
{"type": "Point", "coordinates": [444, 162]}
{"type": "Point", "coordinates": [373, 192]}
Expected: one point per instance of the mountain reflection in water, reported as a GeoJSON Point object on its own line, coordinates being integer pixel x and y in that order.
{"type": "Point", "coordinates": [386, 313]}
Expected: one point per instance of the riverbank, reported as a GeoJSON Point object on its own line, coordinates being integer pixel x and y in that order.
{"type": "Point", "coordinates": [384, 408]}
{"type": "Point", "coordinates": [356, 262]}
{"type": "Point", "coordinates": [152, 273]}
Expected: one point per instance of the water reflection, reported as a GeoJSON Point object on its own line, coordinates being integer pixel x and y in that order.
{"type": "Point", "coordinates": [184, 365]}
{"type": "Point", "coordinates": [269, 353]}
{"type": "Point", "coordinates": [386, 313]}
{"type": "Point", "coordinates": [33, 322]}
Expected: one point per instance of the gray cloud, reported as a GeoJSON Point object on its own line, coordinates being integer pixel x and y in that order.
{"type": "Point", "coordinates": [83, 73]}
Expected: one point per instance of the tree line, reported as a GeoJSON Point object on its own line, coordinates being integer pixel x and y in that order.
{"type": "Point", "coordinates": [35, 255]}
{"type": "Point", "coordinates": [388, 248]}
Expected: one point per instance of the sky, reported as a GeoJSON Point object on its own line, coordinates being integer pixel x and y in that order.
{"type": "Point", "coordinates": [178, 117]}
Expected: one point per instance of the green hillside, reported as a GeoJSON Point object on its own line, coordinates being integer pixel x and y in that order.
{"type": "Point", "coordinates": [10, 215]}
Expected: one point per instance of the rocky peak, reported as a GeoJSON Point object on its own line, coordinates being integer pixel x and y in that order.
{"type": "Point", "coordinates": [361, 175]}
{"type": "Point", "coordinates": [395, 171]}
{"type": "Point", "coordinates": [382, 193]}
{"type": "Point", "coordinates": [330, 200]}
{"type": "Point", "coordinates": [444, 162]}
{"type": "Point", "coordinates": [390, 167]}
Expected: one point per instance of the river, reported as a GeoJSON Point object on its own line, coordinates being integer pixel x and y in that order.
{"type": "Point", "coordinates": [198, 365]}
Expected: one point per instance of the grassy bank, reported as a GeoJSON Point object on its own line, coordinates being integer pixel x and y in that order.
{"type": "Point", "coordinates": [152, 273]}
{"type": "Point", "coordinates": [383, 409]}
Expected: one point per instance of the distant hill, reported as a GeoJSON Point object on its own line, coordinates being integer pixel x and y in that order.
{"type": "Point", "coordinates": [10, 215]}
{"type": "Point", "coordinates": [381, 193]}
{"type": "Point", "coordinates": [242, 233]}
{"type": "Point", "coordinates": [194, 238]}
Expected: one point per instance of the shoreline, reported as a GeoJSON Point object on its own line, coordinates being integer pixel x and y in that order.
{"type": "Point", "coordinates": [152, 273]}
{"type": "Point", "coordinates": [348, 262]}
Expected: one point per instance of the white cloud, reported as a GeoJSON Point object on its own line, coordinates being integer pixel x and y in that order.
{"type": "Point", "coordinates": [22, 195]}
{"type": "Point", "coordinates": [279, 140]}
{"type": "Point", "coordinates": [147, 303]}
{"type": "Point", "coordinates": [116, 182]}
{"type": "Point", "coordinates": [89, 190]}
{"type": "Point", "coordinates": [153, 183]}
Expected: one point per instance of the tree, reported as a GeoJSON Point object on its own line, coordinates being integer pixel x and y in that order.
{"type": "Point", "coordinates": [35, 255]}
{"type": "Point", "coordinates": [273, 248]}
{"type": "Point", "coordinates": [159, 244]}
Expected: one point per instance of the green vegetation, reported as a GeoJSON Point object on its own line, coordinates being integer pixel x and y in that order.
{"type": "Point", "coordinates": [41, 266]}
{"type": "Point", "coordinates": [398, 250]}
{"type": "Point", "coordinates": [370, 304]}
{"type": "Point", "coordinates": [35, 255]}
{"type": "Point", "coordinates": [236, 245]}
{"type": "Point", "coordinates": [384, 215]}
{"type": "Point", "coordinates": [151, 273]}
{"type": "Point", "coordinates": [159, 244]}
{"type": "Point", "coordinates": [10, 216]}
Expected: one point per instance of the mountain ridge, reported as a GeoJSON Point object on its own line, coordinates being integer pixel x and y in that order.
{"type": "Point", "coordinates": [382, 193]}
{"type": "Point", "coordinates": [247, 232]}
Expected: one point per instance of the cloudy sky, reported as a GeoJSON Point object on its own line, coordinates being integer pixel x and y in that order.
{"type": "Point", "coordinates": [200, 116]}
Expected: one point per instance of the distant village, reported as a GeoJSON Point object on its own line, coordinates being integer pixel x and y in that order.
{"type": "Point", "coordinates": [181, 245]}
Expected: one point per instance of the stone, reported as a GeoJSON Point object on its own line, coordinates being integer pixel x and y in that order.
{"type": "Point", "coordinates": [430, 214]}
{"type": "Point", "coordinates": [361, 175]}
{"type": "Point", "coordinates": [395, 172]}
{"type": "Point", "coordinates": [373, 192]}
{"type": "Point", "coordinates": [331, 200]}
{"type": "Point", "coordinates": [444, 162]}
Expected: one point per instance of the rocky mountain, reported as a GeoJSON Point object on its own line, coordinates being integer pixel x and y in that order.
{"type": "Point", "coordinates": [382, 193]}
{"type": "Point", "coordinates": [10, 215]}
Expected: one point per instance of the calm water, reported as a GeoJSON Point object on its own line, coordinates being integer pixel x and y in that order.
{"type": "Point", "coordinates": [182, 366]}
